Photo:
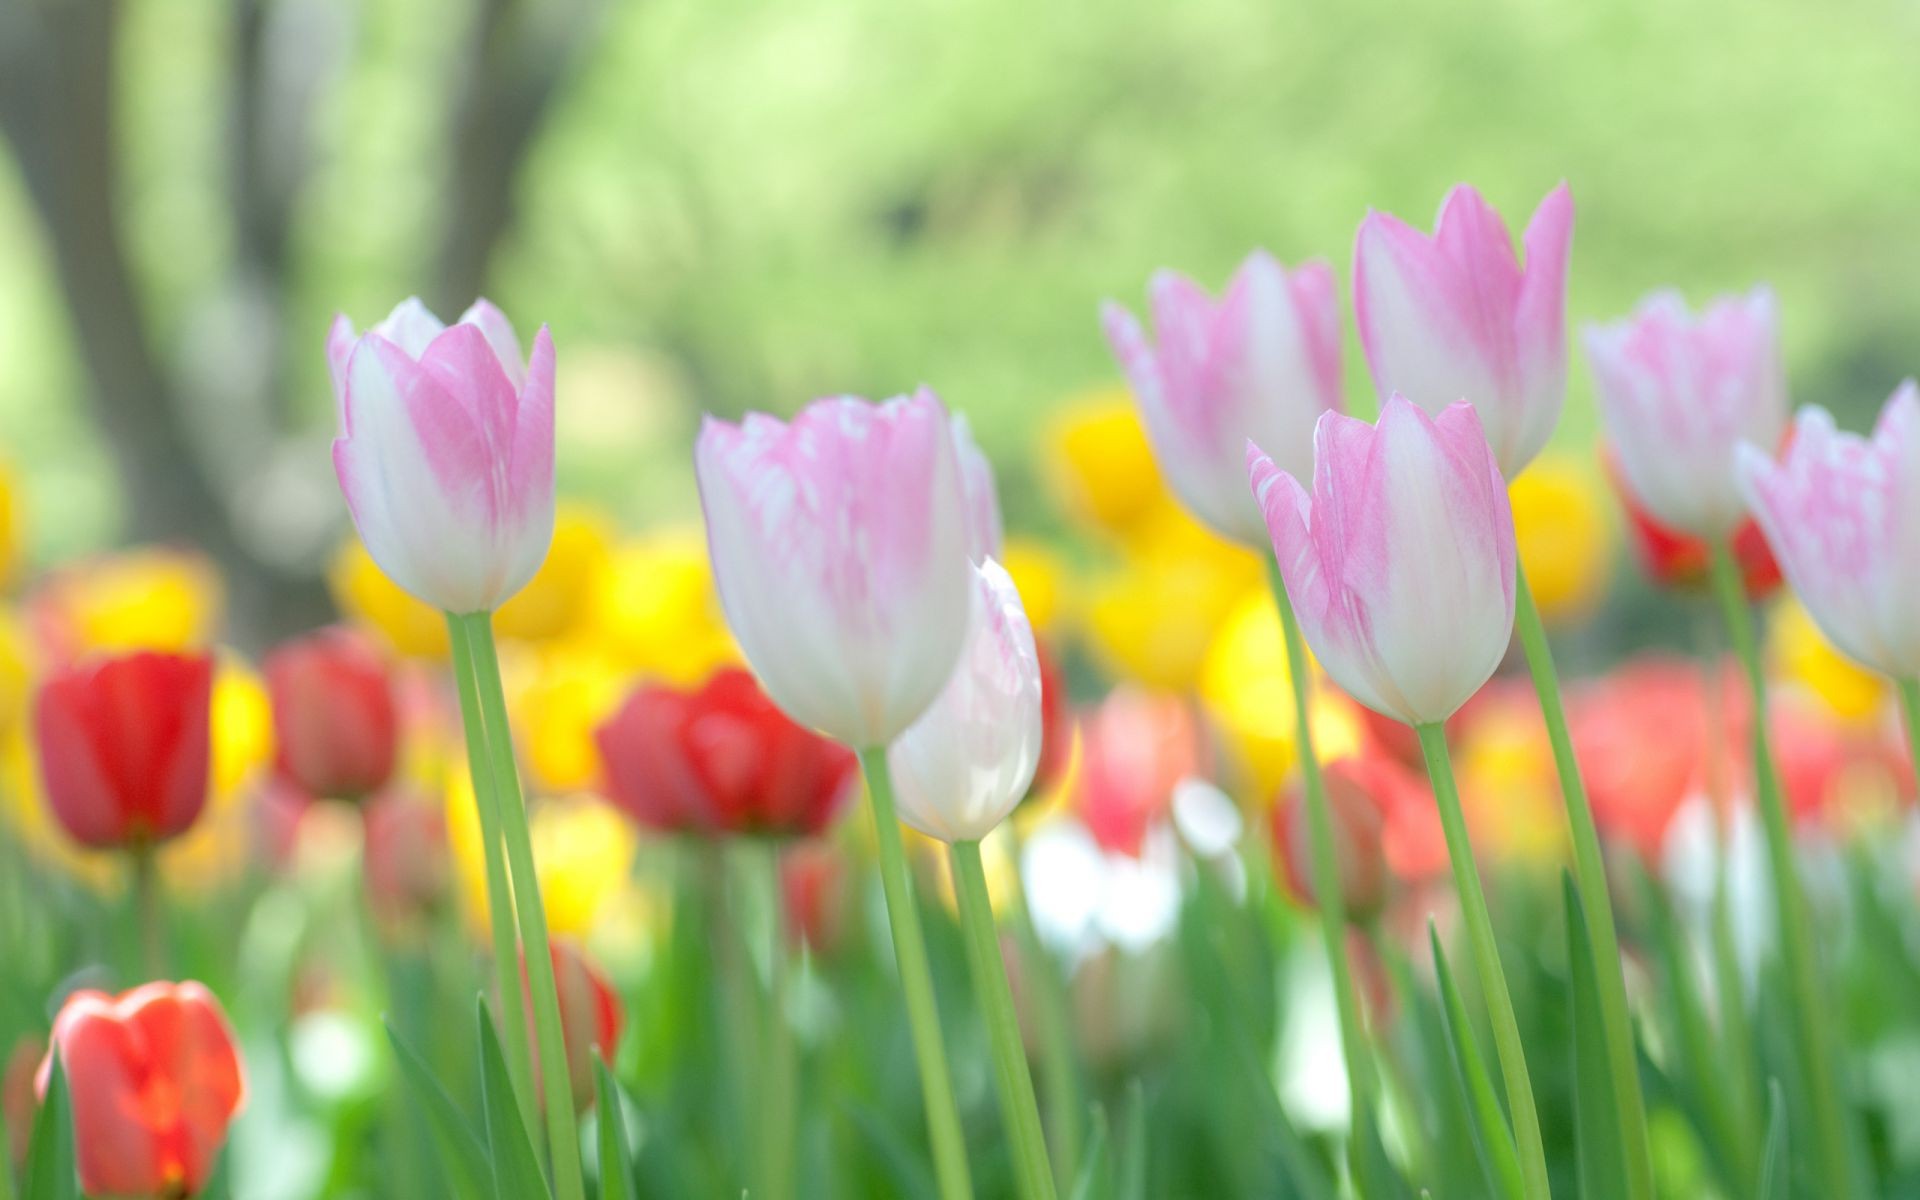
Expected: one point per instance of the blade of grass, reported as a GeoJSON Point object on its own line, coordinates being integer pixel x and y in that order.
{"type": "Point", "coordinates": [50, 1155]}
{"type": "Point", "coordinates": [1493, 1139]}
{"type": "Point", "coordinates": [1598, 1147]}
{"type": "Point", "coordinates": [462, 1154]}
{"type": "Point", "coordinates": [516, 1173]}
{"type": "Point", "coordinates": [616, 1161]}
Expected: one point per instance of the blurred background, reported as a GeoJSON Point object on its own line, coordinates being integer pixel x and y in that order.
{"type": "Point", "coordinates": [720, 205]}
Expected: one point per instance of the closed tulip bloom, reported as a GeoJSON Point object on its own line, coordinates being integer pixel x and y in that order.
{"type": "Point", "coordinates": [1261, 362]}
{"type": "Point", "coordinates": [124, 747]}
{"type": "Point", "coordinates": [985, 532]}
{"type": "Point", "coordinates": [1401, 562]}
{"type": "Point", "coordinates": [155, 1080]}
{"type": "Point", "coordinates": [1842, 512]}
{"type": "Point", "coordinates": [445, 453]}
{"type": "Point", "coordinates": [964, 765]}
{"type": "Point", "coordinates": [1678, 393]}
{"type": "Point", "coordinates": [591, 1017]}
{"type": "Point", "coordinates": [839, 546]}
{"type": "Point", "coordinates": [721, 759]}
{"type": "Point", "coordinates": [1455, 316]}
{"type": "Point", "coordinates": [334, 721]}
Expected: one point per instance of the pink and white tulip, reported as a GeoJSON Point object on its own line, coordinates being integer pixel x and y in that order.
{"type": "Point", "coordinates": [964, 765]}
{"type": "Point", "coordinates": [1262, 362]}
{"type": "Point", "coordinates": [1842, 513]}
{"type": "Point", "coordinates": [1456, 317]}
{"type": "Point", "coordinates": [1401, 563]}
{"type": "Point", "coordinates": [839, 545]}
{"type": "Point", "coordinates": [985, 532]}
{"type": "Point", "coordinates": [1679, 393]}
{"type": "Point", "coordinates": [445, 453]}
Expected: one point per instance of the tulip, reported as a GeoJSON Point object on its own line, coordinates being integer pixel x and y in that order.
{"type": "Point", "coordinates": [1364, 792]}
{"type": "Point", "coordinates": [408, 861]}
{"type": "Point", "coordinates": [964, 765]}
{"type": "Point", "coordinates": [986, 534]}
{"type": "Point", "coordinates": [1679, 393]}
{"type": "Point", "coordinates": [721, 759]}
{"type": "Point", "coordinates": [1401, 563]}
{"type": "Point", "coordinates": [1263, 362]}
{"type": "Point", "coordinates": [1842, 512]}
{"type": "Point", "coordinates": [1455, 315]}
{"type": "Point", "coordinates": [446, 452]}
{"type": "Point", "coordinates": [124, 747]}
{"type": "Point", "coordinates": [1679, 560]}
{"type": "Point", "coordinates": [334, 723]}
{"type": "Point", "coordinates": [591, 1017]}
{"type": "Point", "coordinates": [1135, 748]}
{"type": "Point", "coordinates": [155, 1079]}
{"type": "Point", "coordinates": [839, 545]}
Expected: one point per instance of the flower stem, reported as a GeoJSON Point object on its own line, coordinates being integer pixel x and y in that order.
{"type": "Point", "coordinates": [777, 1083]}
{"type": "Point", "coordinates": [1486, 961]}
{"type": "Point", "coordinates": [506, 955]}
{"type": "Point", "coordinates": [1328, 891]}
{"type": "Point", "coordinates": [916, 983]}
{"type": "Point", "coordinates": [563, 1133]}
{"type": "Point", "coordinates": [1810, 1005]}
{"type": "Point", "coordinates": [1059, 1076]}
{"type": "Point", "coordinates": [1910, 707]}
{"type": "Point", "coordinates": [1590, 880]}
{"type": "Point", "coordinates": [147, 903]}
{"type": "Point", "coordinates": [995, 997]}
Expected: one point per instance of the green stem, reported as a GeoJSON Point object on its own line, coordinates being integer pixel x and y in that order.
{"type": "Point", "coordinates": [916, 984]}
{"type": "Point", "coordinates": [1910, 706]}
{"type": "Point", "coordinates": [1810, 1005]}
{"type": "Point", "coordinates": [1590, 880]}
{"type": "Point", "coordinates": [563, 1132]}
{"type": "Point", "coordinates": [1328, 891]}
{"type": "Point", "coordinates": [506, 953]}
{"type": "Point", "coordinates": [777, 1084]}
{"type": "Point", "coordinates": [995, 997]}
{"type": "Point", "coordinates": [1486, 961]}
{"type": "Point", "coordinates": [1059, 1076]}
{"type": "Point", "coordinates": [147, 903]}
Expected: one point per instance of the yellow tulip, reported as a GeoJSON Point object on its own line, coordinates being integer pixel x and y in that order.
{"type": "Point", "coordinates": [583, 855]}
{"type": "Point", "coordinates": [656, 611]}
{"type": "Point", "coordinates": [1097, 456]}
{"type": "Point", "coordinates": [1566, 538]}
{"type": "Point", "coordinates": [556, 708]}
{"type": "Point", "coordinates": [1043, 580]}
{"type": "Point", "coordinates": [11, 524]}
{"type": "Point", "coordinates": [140, 599]}
{"type": "Point", "coordinates": [1154, 617]}
{"type": "Point", "coordinates": [1804, 658]}
{"type": "Point", "coordinates": [1508, 785]}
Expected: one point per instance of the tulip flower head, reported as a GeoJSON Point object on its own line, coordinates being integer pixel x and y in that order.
{"type": "Point", "coordinates": [124, 747]}
{"type": "Point", "coordinates": [334, 720]}
{"type": "Point", "coordinates": [155, 1080]}
{"type": "Point", "coordinates": [964, 765]}
{"type": "Point", "coordinates": [445, 453]}
{"type": "Point", "coordinates": [1262, 362]}
{"type": "Point", "coordinates": [839, 546]}
{"type": "Point", "coordinates": [1678, 393]}
{"type": "Point", "coordinates": [1456, 315]}
{"type": "Point", "coordinates": [721, 759]}
{"type": "Point", "coordinates": [1842, 512]}
{"type": "Point", "coordinates": [1401, 562]}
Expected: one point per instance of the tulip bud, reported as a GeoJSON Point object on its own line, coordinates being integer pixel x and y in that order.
{"type": "Point", "coordinates": [1455, 315]}
{"type": "Point", "coordinates": [333, 714]}
{"type": "Point", "coordinates": [1843, 514]}
{"type": "Point", "coordinates": [964, 765]}
{"type": "Point", "coordinates": [445, 453]}
{"type": "Point", "coordinates": [591, 1018]}
{"type": "Point", "coordinates": [1679, 393]}
{"type": "Point", "coordinates": [721, 760]}
{"type": "Point", "coordinates": [1401, 563]}
{"type": "Point", "coordinates": [839, 545]}
{"type": "Point", "coordinates": [1262, 363]}
{"type": "Point", "coordinates": [155, 1079]}
{"type": "Point", "coordinates": [124, 747]}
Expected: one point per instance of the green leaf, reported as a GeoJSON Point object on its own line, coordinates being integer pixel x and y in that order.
{"type": "Point", "coordinates": [516, 1172]}
{"type": "Point", "coordinates": [1492, 1137]}
{"type": "Point", "coordinates": [50, 1168]}
{"type": "Point", "coordinates": [1598, 1146]}
{"type": "Point", "coordinates": [1092, 1179]}
{"type": "Point", "coordinates": [616, 1164]}
{"type": "Point", "coordinates": [1773, 1159]}
{"type": "Point", "coordinates": [461, 1151]}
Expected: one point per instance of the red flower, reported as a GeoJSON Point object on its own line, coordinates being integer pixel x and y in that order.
{"type": "Point", "coordinates": [1134, 748]}
{"type": "Point", "coordinates": [1364, 794]}
{"type": "Point", "coordinates": [721, 759]}
{"type": "Point", "coordinates": [155, 1079]}
{"type": "Point", "coordinates": [591, 1018]}
{"type": "Point", "coordinates": [333, 714]}
{"type": "Point", "coordinates": [813, 887]}
{"type": "Point", "coordinates": [1676, 559]}
{"type": "Point", "coordinates": [124, 746]}
{"type": "Point", "coordinates": [1644, 735]}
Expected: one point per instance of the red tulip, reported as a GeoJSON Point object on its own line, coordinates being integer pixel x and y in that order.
{"type": "Point", "coordinates": [1643, 735]}
{"type": "Point", "coordinates": [591, 1018]}
{"type": "Point", "coordinates": [721, 759]}
{"type": "Point", "coordinates": [333, 714]}
{"type": "Point", "coordinates": [155, 1079]}
{"type": "Point", "coordinates": [124, 745]}
{"type": "Point", "coordinates": [1134, 747]}
{"type": "Point", "coordinates": [1363, 794]}
{"type": "Point", "coordinates": [1676, 559]}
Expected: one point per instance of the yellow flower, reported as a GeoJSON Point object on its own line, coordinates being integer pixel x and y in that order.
{"type": "Point", "coordinates": [656, 611]}
{"type": "Point", "coordinates": [1042, 579]}
{"type": "Point", "coordinates": [363, 592]}
{"type": "Point", "coordinates": [17, 663]}
{"type": "Point", "coordinates": [1566, 538]}
{"type": "Point", "coordinates": [1097, 456]}
{"type": "Point", "coordinates": [1803, 657]}
{"type": "Point", "coordinates": [558, 599]}
{"type": "Point", "coordinates": [582, 851]}
{"type": "Point", "coordinates": [140, 599]}
{"type": "Point", "coordinates": [1508, 786]}
{"type": "Point", "coordinates": [1153, 618]}
{"type": "Point", "coordinates": [10, 524]}
{"type": "Point", "coordinates": [572, 688]}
